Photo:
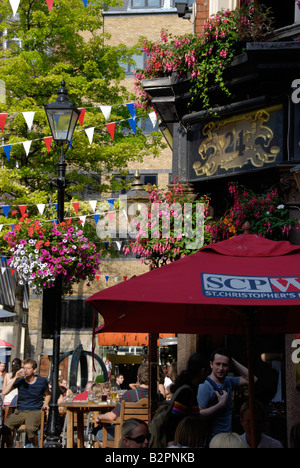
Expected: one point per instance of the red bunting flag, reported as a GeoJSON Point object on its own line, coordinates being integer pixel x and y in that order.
{"type": "Point", "coordinates": [48, 141]}
{"type": "Point", "coordinates": [2, 121]}
{"type": "Point", "coordinates": [12, 271]}
{"type": "Point", "coordinates": [22, 209]}
{"type": "Point", "coordinates": [76, 206]}
{"type": "Point", "coordinates": [110, 215]}
{"type": "Point", "coordinates": [50, 4]}
{"type": "Point", "coordinates": [124, 278]}
{"type": "Point", "coordinates": [81, 116]}
{"type": "Point", "coordinates": [97, 278]}
{"type": "Point", "coordinates": [111, 128]}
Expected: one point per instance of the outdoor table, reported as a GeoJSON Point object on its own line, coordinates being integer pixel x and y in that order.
{"type": "Point", "coordinates": [80, 408]}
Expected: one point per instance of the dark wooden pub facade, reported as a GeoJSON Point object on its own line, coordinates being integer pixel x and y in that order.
{"type": "Point", "coordinates": [254, 139]}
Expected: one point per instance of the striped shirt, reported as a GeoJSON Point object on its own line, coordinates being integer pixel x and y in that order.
{"type": "Point", "coordinates": [131, 395]}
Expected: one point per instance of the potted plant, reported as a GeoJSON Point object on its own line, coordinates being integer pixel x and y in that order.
{"type": "Point", "coordinates": [41, 251]}
{"type": "Point", "coordinates": [201, 59]}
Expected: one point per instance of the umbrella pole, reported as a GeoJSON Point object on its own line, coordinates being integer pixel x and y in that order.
{"type": "Point", "coordinates": [153, 337]}
{"type": "Point", "coordinates": [250, 322]}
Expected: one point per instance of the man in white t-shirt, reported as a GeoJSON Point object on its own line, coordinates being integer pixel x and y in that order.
{"type": "Point", "coordinates": [262, 440]}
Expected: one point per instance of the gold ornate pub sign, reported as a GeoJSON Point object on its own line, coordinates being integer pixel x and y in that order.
{"type": "Point", "coordinates": [248, 141]}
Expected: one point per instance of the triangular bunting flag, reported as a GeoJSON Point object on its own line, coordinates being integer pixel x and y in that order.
{"type": "Point", "coordinates": [15, 5]}
{"type": "Point", "coordinates": [90, 134]}
{"type": "Point", "coordinates": [27, 145]}
{"type": "Point", "coordinates": [1, 226]}
{"type": "Point", "coordinates": [124, 278]}
{"type": "Point", "coordinates": [106, 245]}
{"type": "Point", "coordinates": [29, 116]}
{"type": "Point", "coordinates": [153, 118]}
{"type": "Point", "coordinates": [56, 206]}
{"type": "Point", "coordinates": [41, 208]}
{"type": "Point", "coordinates": [81, 116]}
{"type": "Point", "coordinates": [132, 109]}
{"type": "Point", "coordinates": [132, 123]}
{"type": "Point", "coordinates": [22, 209]}
{"type": "Point", "coordinates": [85, 3]}
{"type": "Point", "coordinates": [119, 245]}
{"type": "Point", "coordinates": [93, 204]}
{"type": "Point", "coordinates": [106, 110]}
{"type": "Point", "coordinates": [96, 218]}
{"type": "Point", "coordinates": [3, 259]}
{"type": "Point", "coordinates": [116, 279]}
{"type": "Point", "coordinates": [12, 227]}
{"type": "Point", "coordinates": [2, 121]}
{"type": "Point", "coordinates": [3, 270]}
{"type": "Point", "coordinates": [76, 206]}
{"type": "Point", "coordinates": [111, 215]}
{"type": "Point", "coordinates": [106, 278]}
{"type": "Point", "coordinates": [82, 218]}
{"type": "Point", "coordinates": [97, 278]}
{"type": "Point", "coordinates": [12, 270]}
{"type": "Point", "coordinates": [50, 4]}
{"type": "Point", "coordinates": [111, 128]}
{"type": "Point", "coordinates": [111, 202]}
{"type": "Point", "coordinates": [7, 150]}
{"type": "Point", "coordinates": [48, 141]}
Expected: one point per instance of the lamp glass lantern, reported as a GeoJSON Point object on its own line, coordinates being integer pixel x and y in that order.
{"type": "Point", "coordinates": [62, 117]}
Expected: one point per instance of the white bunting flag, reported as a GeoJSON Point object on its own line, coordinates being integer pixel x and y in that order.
{"type": "Point", "coordinates": [153, 118]}
{"type": "Point", "coordinates": [119, 245]}
{"type": "Point", "coordinates": [93, 204]}
{"type": "Point", "coordinates": [90, 134]}
{"type": "Point", "coordinates": [1, 226]}
{"type": "Point", "coordinates": [29, 116]}
{"type": "Point", "coordinates": [27, 145]}
{"type": "Point", "coordinates": [15, 5]}
{"type": "Point", "coordinates": [82, 218]}
{"type": "Point", "coordinates": [106, 110]}
{"type": "Point", "coordinates": [41, 208]}
{"type": "Point", "coordinates": [3, 270]}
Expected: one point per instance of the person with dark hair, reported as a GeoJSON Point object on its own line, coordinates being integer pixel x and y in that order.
{"type": "Point", "coordinates": [33, 395]}
{"type": "Point", "coordinates": [219, 384]}
{"type": "Point", "coordinates": [185, 403]}
{"type": "Point", "coordinates": [262, 440]}
{"type": "Point", "coordinates": [130, 395]}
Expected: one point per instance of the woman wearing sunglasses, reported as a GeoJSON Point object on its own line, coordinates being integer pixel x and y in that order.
{"type": "Point", "coordinates": [134, 434]}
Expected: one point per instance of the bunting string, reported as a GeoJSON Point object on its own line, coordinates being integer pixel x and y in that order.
{"type": "Point", "coordinates": [15, 5]}
{"type": "Point", "coordinates": [29, 118]}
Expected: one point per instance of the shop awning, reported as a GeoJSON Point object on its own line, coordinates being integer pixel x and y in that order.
{"type": "Point", "coordinates": [127, 339]}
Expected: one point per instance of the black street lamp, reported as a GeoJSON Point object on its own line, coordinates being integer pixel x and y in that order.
{"type": "Point", "coordinates": [62, 117]}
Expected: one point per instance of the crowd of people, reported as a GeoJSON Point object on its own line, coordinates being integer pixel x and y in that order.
{"type": "Point", "coordinates": [199, 405]}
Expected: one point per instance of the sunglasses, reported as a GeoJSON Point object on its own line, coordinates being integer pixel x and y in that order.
{"type": "Point", "coordinates": [139, 439]}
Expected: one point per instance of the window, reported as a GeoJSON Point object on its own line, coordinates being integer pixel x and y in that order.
{"type": "Point", "coordinates": [77, 314]}
{"type": "Point", "coordinates": [145, 4]}
{"type": "Point", "coordinates": [139, 60]}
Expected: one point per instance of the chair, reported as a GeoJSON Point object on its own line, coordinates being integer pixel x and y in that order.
{"type": "Point", "coordinates": [128, 410]}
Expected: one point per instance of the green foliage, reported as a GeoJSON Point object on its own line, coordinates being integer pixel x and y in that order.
{"type": "Point", "coordinates": [65, 43]}
{"type": "Point", "coordinates": [204, 57]}
{"type": "Point", "coordinates": [266, 213]}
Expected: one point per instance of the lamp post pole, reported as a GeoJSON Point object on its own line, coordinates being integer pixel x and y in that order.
{"type": "Point", "coordinates": [62, 117]}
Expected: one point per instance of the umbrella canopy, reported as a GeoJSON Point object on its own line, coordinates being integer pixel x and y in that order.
{"type": "Point", "coordinates": [238, 285]}
{"type": "Point", "coordinates": [209, 291]}
{"type": "Point", "coordinates": [5, 344]}
{"type": "Point", "coordinates": [6, 314]}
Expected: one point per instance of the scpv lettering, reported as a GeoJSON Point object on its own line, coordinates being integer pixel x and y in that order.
{"type": "Point", "coordinates": [235, 283]}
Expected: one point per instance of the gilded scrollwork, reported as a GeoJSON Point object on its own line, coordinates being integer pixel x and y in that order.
{"type": "Point", "coordinates": [234, 142]}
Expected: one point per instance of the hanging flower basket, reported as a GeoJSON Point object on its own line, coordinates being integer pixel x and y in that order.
{"type": "Point", "coordinates": [40, 252]}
